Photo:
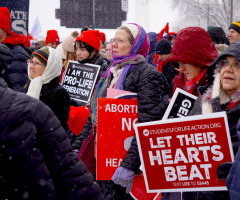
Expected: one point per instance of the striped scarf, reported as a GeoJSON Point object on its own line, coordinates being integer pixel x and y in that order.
{"type": "Point", "coordinates": [192, 84]}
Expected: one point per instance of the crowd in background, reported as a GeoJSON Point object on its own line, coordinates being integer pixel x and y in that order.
{"type": "Point", "coordinates": [40, 147]}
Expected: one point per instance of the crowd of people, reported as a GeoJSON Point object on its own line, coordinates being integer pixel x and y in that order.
{"type": "Point", "coordinates": [40, 154]}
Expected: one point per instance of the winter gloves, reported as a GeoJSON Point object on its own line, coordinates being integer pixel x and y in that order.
{"type": "Point", "coordinates": [223, 170]}
{"type": "Point", "coordinates": [124, 177]}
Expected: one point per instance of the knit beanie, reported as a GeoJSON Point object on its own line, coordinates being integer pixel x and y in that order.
{"type": "Point", "coordinates": [235, 26]}
{"type": "Point", "coordinates": [139, 34]}
{"type": "Point", "coordinates": [163, 47]}
{"type": "Point", "coordinates": [193, 45]}
{"type": "Point", "coordinates": [52, 36]}
{"type": "Point", "coordinates": [5, 19]}
{"type": "Point", "coordinates": [133, 29]}
{"type": "Point", "coordinates": [218, 36]}
{"type": "Point", "coordinates": [42, 54]}
{"type": "Point", "coordinates": [102, 36]}
{"type": "Point", "coordinates": [68, 43]}
{"type": "Point", "coordinates": [90, 37]}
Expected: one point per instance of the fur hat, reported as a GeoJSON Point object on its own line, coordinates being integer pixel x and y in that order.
{"type": "Point", "coordinates": [193, 45]}
{"type": "Point", "coordinates": [163, 47]}
{"type": "Point", "coordinates": [5, 19]}
{"type": "Point", "coordinates": [90, 37]}
{"type": "Point", "coordinates": [235, 26]}
{"type": "Point", "coordinates": [52, 36]}
{"type": "Point", "coordinates": [42, 54]}
{"type": "Point", "coordinates": [218, 36]}
{"type": "Point", "coordinates": [68, 43]}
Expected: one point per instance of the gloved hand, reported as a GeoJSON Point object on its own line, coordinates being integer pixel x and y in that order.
{"type": "Point", "coordinates": [76, 151]}
{"type": "Point", "coordinates": [223, 170]}
{"type": "Point", "coordinates": [124, 177]}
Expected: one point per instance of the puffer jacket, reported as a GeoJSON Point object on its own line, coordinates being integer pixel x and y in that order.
{"type": "Point", "coordinates": [233, 179]}
{"type": "Point", "coordinates": [17, 75]}
{"type": "Point", "coordinates": [37, 161]}
{"type": "Point", "coordinates": [153, 93]}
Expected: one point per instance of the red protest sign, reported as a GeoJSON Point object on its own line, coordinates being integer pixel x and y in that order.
{"type": "Point", "coordinates": [183, 154]}
{"type": "Point", "coordinates": [139, 191]}
{"type": "Point", "coordinates": [114, 133]}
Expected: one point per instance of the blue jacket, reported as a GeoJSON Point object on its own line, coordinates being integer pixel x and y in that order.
{"type": "Point", "coordinates": [233, 179]}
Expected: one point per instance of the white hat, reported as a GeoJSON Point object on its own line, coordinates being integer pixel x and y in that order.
{"type": "Point", "coordinates": [61, 51]}
{"type": "Point", "coordinates": [68, 43]}
{"type": "Point", "coordinates": [133, 29]}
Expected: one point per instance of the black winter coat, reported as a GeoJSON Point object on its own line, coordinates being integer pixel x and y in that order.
{"type": "Point", "coordinates": [17, 75]}
{"type": "Point", "coordinates": [36, 157]}
{"type": "Point", "coordinates": [170, 73]}
{"type": "Point", "coordinates": [153, 94]}
{"type": "Point", "coordinates": [57, 98]}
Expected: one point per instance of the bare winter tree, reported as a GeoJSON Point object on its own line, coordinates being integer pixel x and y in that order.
{"type": "Point", "coordinates": [214, 12]}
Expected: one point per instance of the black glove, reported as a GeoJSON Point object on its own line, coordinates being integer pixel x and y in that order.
{"type": "Point", "coordinates": [223, 170]}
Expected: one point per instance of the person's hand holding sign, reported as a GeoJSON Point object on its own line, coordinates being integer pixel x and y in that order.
{"type": "Point", "coordinates": [124, 177]}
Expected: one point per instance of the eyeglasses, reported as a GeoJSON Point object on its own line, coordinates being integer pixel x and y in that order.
{"type": "Point", "coordinates": [35, 64]}
{"type": "Point", "coordinates": [118, 41]}
{"type": "Point", "coordinates": [224, 63]}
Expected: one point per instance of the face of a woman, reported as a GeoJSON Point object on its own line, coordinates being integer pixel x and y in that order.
{"type": "Point", "coordinates": [190, 71]}
{"type": "Point", "coordinates": [53, 44]}
{"type": "Point", "coordinates": [121, 44]}
{"type": "Point", "coordinates": [35, 68]}
{"type": "Point", "coordinates": [108, 51]}
{"type": "Point", "coordinates": [230, 75]}
{"type": "Point", "coordinates": [81, 53]}
{"type": "Point", "coordinates": [3, 35]}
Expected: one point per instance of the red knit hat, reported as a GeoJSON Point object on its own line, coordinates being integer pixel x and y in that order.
{"type": "Point", "coordinates": [5, 19]}
{"type": "Point", "coordinates": [193, 45]}
{"type": "Point", "coordinates": [90, 37]}
{"type": "Point", "coordinates": [52, 36]}
{"type": "Point", "coordinates": [102, 36]}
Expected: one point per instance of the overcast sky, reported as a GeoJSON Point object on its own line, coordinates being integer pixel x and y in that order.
{"type": "Point", "coordinates": [158, 14]}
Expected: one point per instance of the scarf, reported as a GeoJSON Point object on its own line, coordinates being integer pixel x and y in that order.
{"type": "Point", "coordinates": [52, 70]}
{"type": "Point", "coordinates": [192, 84]}
{"type": "Point", "coordinates": [137, 54]}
